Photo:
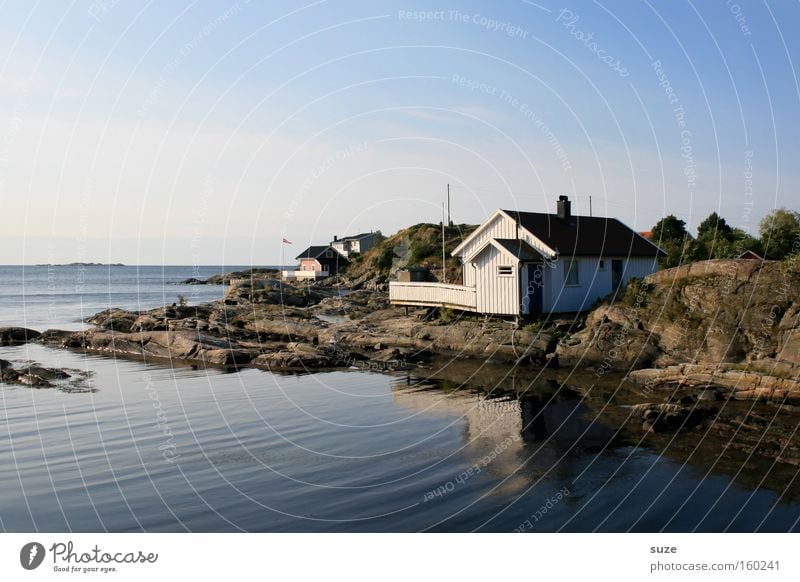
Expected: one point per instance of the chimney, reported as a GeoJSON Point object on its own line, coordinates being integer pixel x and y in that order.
{"type": "Point", "coordinates": [335, 238]}
{"type": "Point", "coordinates": [563, 207]}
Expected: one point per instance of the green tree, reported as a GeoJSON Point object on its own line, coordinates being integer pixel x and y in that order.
{"type": "Point", "coordinates": [671, 235]}
{"type": "Point", "coordinates": [715, 237]}
{"type": "Point", "coordinates": [780, 233]}
{"type": "Point", "coordinates": [712, 227]}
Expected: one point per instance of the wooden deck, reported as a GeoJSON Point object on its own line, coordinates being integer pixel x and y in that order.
{"type": "Point", "coordinates": [432, 295]}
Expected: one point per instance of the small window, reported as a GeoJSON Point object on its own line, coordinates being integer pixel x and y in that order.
{"type": "Point", "coordinates": [571, 273]}
{"type": "Point", "coordinates": [602, 265]}
{"type": "Point", "coordinates": [329, 253]}
{"type": "Point", "coordinates": [505, 271]}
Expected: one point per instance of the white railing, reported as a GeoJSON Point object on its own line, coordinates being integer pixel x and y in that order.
{"type": "Point", "coordinates": [432, 295]}
{"type": "Point", "coordinates": [300, 275]}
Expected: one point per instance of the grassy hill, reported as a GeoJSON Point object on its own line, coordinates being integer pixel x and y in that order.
{"type": "Point", "coordinates": [416, 246]}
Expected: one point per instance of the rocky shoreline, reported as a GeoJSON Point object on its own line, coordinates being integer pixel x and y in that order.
{"type": "Point", "coordinates": [676, 378]}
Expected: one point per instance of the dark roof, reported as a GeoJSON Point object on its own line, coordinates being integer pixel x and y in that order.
{"type": "Point", "coordinates": [586, 235]}
{"type": "Point", "coordinates": [355, 236]}
{"type": "Point", "coordinates": [314, 252]}
{"type": "Point", "coordinates": [520, 249]}
{"type": "Point", "coordinates": [748, 254]}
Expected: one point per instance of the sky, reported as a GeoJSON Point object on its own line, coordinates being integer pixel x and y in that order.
{"type": "Point", "coordinates": [200, 132]}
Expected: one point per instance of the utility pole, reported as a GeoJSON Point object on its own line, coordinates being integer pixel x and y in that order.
{"type": "Point", "coordinates": [590, 205]}
{"type": "Point", "coordinates": [444, 271]}
{"type": "Point", "coordinates": [449, 216]}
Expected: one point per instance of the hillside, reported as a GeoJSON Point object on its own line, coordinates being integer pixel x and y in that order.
{"type": "Point", "coordinates": [416, 246]}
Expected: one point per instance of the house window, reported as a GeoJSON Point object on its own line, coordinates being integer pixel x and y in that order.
{"type": "Point", "coordinates": [571, 273]}
{"type": "Point", "coordinates": [602, 265]}
{"type": "Point", "coordinates": [505, 271]}
{"type": "Point", "coordinates": [329, 253]}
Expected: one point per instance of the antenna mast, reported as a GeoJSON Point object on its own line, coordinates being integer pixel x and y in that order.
{"type": "Point", "coordinates": [444, 272]}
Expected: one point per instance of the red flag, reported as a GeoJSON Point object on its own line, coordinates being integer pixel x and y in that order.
{"type": "Point", "coordinates": [286, 242]}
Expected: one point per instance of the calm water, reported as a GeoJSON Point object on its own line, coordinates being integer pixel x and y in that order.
{"type": "Point", "coordinates": [63, 296]}
{"type": "Point", "coordinates": [158, 449]}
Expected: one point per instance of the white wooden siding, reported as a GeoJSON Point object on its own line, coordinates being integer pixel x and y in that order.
{"type": "Point", "coordinates": [495, 293]}
{"type": "Point", "coordinates": [499, 227]}
{"type": "Point", "coordinates": [640, 267]}
{"type": "Point", "coordinates": [432, 295]}
{"type": "Point", "coordinates": [593, 283]}
{"type": "Point", "coordinates": [469, 274]}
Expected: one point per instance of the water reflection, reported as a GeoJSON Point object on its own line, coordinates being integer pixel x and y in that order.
{"type": "Point", "coordinates": [545, 432]}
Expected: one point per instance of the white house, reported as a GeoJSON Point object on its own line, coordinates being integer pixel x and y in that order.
{"type": "Point", "coordinates": [358, 243]}
{"type": "Point", "coordinates": [522, 263]}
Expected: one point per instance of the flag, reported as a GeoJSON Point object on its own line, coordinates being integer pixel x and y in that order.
{"type": "Point", "coordinates": [286, 242]}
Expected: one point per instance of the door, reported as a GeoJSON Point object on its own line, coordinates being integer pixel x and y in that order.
{"type": "Point", "coordinates": [535, 291]}
{"type": "Point", "coordinates": [616, 274]}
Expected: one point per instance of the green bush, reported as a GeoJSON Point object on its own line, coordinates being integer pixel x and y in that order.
{"type": "Point", "coordinates": [446, 315]}
{"type": "Point", "coordinates": [385, 258]}
{"type": "Point", "coordinates": [419, 251]}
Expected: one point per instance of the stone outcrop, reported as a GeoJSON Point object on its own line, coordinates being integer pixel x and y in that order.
{"type": "Point", "coordinates": [14, 336]}
{"type": "Point", "coordinates": [739, 384]}
{"type": "Point", "coordinates": [35, 376]}
{"type": "Point", "coordinates": [711, 312]}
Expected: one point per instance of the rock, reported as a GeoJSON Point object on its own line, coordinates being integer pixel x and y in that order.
{"type": "Point", "coordinates": [12, 336]}
{"type": "Point", "coordinates": [5, 364]}
{"type": "Point", "coordinates": [114, 319]}
{"type": "Point", "coordinates": [34, 376]}
{"type": "Point", "coordinates": [668, 417]}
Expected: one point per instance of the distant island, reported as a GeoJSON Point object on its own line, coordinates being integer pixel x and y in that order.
{"type": "Point", "coordinates": [80, 265]}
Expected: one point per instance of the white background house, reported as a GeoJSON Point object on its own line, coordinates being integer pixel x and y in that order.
{"type": "Point", "coordinates": [521, 263]}
{"type": "Point", "coordinates": [358, 243]}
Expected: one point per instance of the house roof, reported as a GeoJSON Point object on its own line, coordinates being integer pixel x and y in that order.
{"type": "Point", "coordinates": [520, 249]}
{"type": "Point", "coordinates": [748, 254]}
{"type": "Point", "coordinates": [354, 237]}
{"type": "Point", "coordinates": [315, 252]}
{"type": "Point", "coordinates": [585, 235]}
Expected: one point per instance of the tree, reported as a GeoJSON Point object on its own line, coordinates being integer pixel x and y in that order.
{"type": "Point", "coordinates": [671, 235]}
{"type": "Point", "coordinates": [714, 226]}
{"type": "Point", "coordinates": [715, 236]}
{"type": "Point", "coordinates": [780, 233]}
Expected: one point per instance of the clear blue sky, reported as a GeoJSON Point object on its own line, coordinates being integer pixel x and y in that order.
{"type": "Point", "coordinates": [205, 132]}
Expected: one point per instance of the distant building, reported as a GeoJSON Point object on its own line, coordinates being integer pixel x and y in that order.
{"type": "Point", "coordinates": [355, 244]}
{"type": "Point", "coordinates": [523, 263]}
{"type": "Point", "coordinates": [317, 262]}
{"type": "Point", "coordinates": [750, 255]}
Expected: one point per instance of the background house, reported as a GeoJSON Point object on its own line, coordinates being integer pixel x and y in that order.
{"type": "Point", "coordinates": [317, 262]}
{"type": "Point", "coordinates": [521, 263]}
{"type": "Point", "coordinates": [358, 243]}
